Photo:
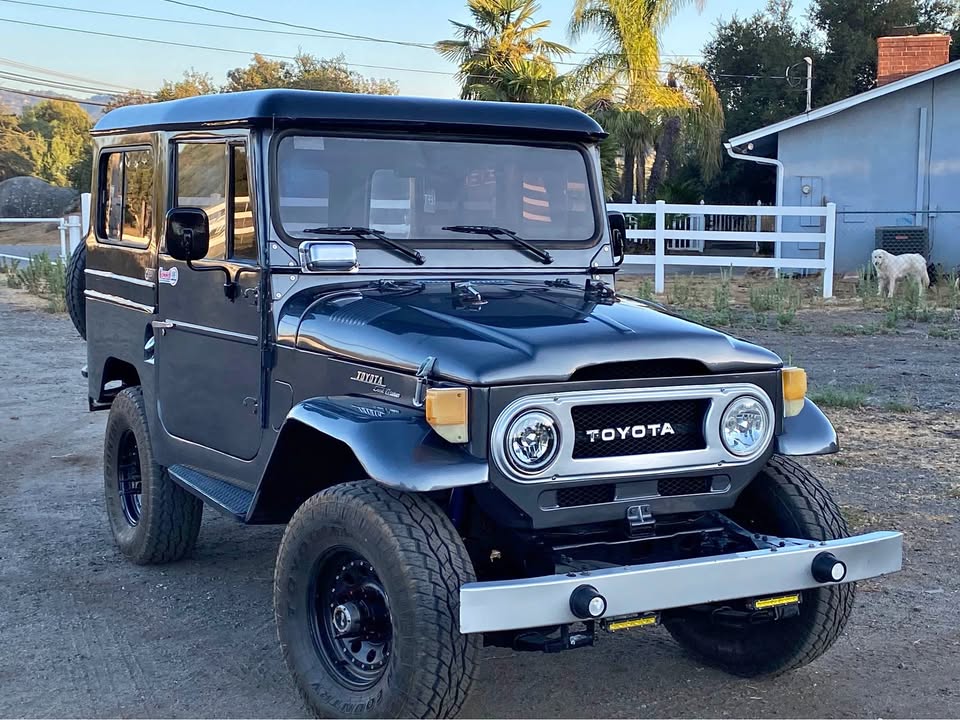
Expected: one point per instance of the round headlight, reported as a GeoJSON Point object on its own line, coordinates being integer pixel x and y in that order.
{"type": "Point", "coordinates": [532, 441]}
{"type": "Point", "coordinates": [744, 425]}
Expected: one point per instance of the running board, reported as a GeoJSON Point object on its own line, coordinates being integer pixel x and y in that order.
{"type": "Point", "coordinates": [219, 494]}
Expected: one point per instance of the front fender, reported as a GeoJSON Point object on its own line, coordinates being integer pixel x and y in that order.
{"type": "Point", "coordinates": [807, 433]}
{"type": "Point", "coordinates": [394, 444]}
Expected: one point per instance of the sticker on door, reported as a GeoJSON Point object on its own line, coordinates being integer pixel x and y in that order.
{"type": "Point", "coordinates": [170, 276]}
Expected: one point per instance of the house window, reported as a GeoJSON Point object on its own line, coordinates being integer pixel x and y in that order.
{"type": "Point", "coordinates": [126, 197]}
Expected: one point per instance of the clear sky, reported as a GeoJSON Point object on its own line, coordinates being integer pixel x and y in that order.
{"type": "Point", "coordinates": [134, 63]}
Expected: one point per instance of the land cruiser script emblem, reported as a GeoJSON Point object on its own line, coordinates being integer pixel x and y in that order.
{"type": "Point", "coordinates": [634, 431]}
{"type": "Point", "coordinates": [169, 277]}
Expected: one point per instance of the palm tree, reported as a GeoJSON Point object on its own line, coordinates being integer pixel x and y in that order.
{"type": "Point", "coordinates": [625, 74]}
{"type": "Point", "coordinates": [501, 55]}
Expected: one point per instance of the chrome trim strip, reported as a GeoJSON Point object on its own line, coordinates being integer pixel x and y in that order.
{"type": "Point", "coordinates": [213, 331]}
{"type": "Point", "coordinates": [121, 278]}
{"type": "Point", "coordinates": [543, 601]}
{"type": "Point", "coordinates": [117, 300]}
{"type": "Point", "coordinates": [712, 458]}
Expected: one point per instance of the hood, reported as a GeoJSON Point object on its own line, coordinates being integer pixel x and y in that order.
{"type": "Point", "coordinates": [506, 332]}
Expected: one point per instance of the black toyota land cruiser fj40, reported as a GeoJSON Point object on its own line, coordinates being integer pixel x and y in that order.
{"type": "Point", "coordinates": [391, 324]}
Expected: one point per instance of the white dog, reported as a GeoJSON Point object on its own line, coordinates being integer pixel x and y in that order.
{"type": "Point", "coordinates": [891, 268]}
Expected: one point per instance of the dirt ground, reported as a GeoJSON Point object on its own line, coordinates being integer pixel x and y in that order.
{"type": "Point", "coordinates": [85, 634]}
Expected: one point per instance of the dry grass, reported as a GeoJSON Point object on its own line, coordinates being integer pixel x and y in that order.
{"type": "Point", "coordinates": [32, 234]}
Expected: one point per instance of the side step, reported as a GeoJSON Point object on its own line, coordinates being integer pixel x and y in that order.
{"type": "Point", "coordinates": [220, 494]}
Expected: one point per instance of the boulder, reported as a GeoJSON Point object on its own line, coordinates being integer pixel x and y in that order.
{"type": "Point", "coordinates": [27, 197]}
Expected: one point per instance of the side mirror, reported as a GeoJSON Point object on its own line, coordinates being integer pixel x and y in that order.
{"type": "Point", "coordinates": [188, 234]}
{"type": "Point", "coordinates": [618, 236]}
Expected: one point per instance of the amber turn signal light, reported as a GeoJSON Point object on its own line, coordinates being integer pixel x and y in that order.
{"type": "Point", "coordinates": [794, 390]}
{"type": "Point", "coordinates": [446, 410]}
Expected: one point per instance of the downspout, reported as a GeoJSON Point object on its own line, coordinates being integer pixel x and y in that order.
{"type": "Point", "coordinates": [763, 161]}
{"type": "Point", "coordinates": [780, 171]}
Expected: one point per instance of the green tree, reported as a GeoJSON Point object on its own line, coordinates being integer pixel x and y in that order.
{"type": "Point", "coordinates": [501, 55]}
{"type": "Point", "coordinates": [65, 128]}
{"type": "Point", "coordinates": [748, 59]}
{"type": "Point", "coordinates": [260, 73]}
{"type": "Point", "coordinates": [850, 29]}
{"type": "Point", "coordinates": [20, 152]}
{"type": "Point", "coordinates": [626, 74]}
{"type": "Point", "coordinates": [306, 72]}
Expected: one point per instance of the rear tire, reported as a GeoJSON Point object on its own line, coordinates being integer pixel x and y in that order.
{"type": "Point", "coordinates": [153, 519]}
{"type": "Point", "coordinates": [785, 500]}
{"type": "Point", "coordinates": [76, 285]}
{"type": "Point", "coordinates": [395, 563]}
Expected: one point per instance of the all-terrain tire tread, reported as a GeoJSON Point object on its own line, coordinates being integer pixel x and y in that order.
{"type": "Point", "coordinates": [175, 515]}
{"type": "Point", "coordinates": [75, 285]}
{"type": "Point", "coordinates": [815, 510]}
{"type": "Point", "coordinates": [434, 551]}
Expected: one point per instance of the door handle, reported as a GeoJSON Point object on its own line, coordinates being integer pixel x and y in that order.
{"type": "Point", "coordinates": [162, 326]}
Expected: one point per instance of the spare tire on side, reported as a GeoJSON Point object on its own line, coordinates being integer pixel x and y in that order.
{"type": "Point", "coordinates": [76, 284]}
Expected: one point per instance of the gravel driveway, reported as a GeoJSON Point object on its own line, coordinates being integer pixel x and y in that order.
{"type": "Point", "coordinates": [85, 634]}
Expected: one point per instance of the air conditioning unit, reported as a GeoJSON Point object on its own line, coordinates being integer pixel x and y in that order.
{"type": "Point", "coordinates": [900, 239]}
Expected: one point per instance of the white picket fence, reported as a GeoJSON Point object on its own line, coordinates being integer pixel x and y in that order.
{"type": "Point", "coordinates": [71, 228]}
{"type": "Point", "coordinates": [688, 236]}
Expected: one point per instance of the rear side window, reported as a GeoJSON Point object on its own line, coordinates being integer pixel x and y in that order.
{"type": "Point", "coordinates": [126, 196]}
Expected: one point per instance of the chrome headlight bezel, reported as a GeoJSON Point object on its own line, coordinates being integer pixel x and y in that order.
{"type": "Point", "coordinates": [766, 431]}
{"type": "Point", "coordinates": [530, 417]}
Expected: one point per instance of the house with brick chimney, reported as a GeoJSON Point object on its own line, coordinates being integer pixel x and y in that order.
{"type": "Point", "coordinates": [889, 158]}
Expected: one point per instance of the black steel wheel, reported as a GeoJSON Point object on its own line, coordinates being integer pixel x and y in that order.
{"type": "Point", "coordinates": [129, 478]}
{"type": "Point", "coordinates": [366, 596]}
{"type": "Point", "coordinates": [350, 617]}
{"type": "Point", "coordinates": [787, 500]}
{"type": "Point", "coordinates": [153, 519]}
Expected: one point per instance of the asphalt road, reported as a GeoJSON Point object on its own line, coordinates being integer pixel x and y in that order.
{"type": "Point", "coordinates": [27, 250]}
{"type": "Point", "coordinates": [85, 634]}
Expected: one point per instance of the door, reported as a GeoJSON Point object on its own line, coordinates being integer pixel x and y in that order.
{"type": "Point", "coordinates": [208, 344]}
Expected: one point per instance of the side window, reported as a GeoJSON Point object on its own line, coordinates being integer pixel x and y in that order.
{"type": "Point", "coordinates": [242, 228]}
{"type": "Point", "coordinates": [126, 193]}
{"type": "Point", "coordinates": [201, 182]}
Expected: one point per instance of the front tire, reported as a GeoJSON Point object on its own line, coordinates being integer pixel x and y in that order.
{"type": "Point", "coordinates": [785, 500]}
{"type": "Point", "coordinates": [153, 519]}
{"type": "Point", "coordinates": [366, 597]}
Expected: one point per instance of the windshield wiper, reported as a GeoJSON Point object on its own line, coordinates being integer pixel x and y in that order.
{"type": "Point", "coordinates": [499, 232]}
{"type": "Point", "coordinates": [401, 249]}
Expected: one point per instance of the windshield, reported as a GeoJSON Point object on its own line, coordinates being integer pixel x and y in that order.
{"type": "Point", "coordinates": [413, 189]}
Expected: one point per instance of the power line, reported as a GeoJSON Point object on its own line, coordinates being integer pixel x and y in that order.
{"type": "Point", "coordinates": [55, 73]}
{"type": "Point", "coordinates": [270, 21]}
{"type": "Point", "coordinates": [208, 47]}
{"type": "Point", "coordinates": [59, 84]}
{"type": "Point", "coordinates": [196, 23]}
{"type": "Point", "coordinates": [52, 97]}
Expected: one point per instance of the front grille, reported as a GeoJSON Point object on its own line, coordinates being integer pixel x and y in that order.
{"type": "Point", "coordinates": [683, 486]}
{"type": "Point", "coordinates": [637, 369]}
{"type": "Point", "coordinates": [589, 495]}
{"type": "Point", "coordinates": [637, 428]}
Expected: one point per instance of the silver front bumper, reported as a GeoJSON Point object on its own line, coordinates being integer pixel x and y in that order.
{"type": "Point", "coordinates": [545, 601]}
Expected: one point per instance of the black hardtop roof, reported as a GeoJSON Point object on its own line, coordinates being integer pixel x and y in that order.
{"type": "Point", "coordinates": [308, 108]}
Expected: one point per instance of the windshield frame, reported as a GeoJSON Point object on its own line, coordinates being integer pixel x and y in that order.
{"type": "Point", "coordinates": [476, 242]}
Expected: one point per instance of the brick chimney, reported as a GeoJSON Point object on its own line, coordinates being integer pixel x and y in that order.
{"type": "Point", "coordinates": [906, 55]}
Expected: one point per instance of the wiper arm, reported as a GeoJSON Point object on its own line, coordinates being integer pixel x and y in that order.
{"type": "Point", "coordinates": [498, 232]}
{"type": "Point", "coordinates": [400, 248]}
